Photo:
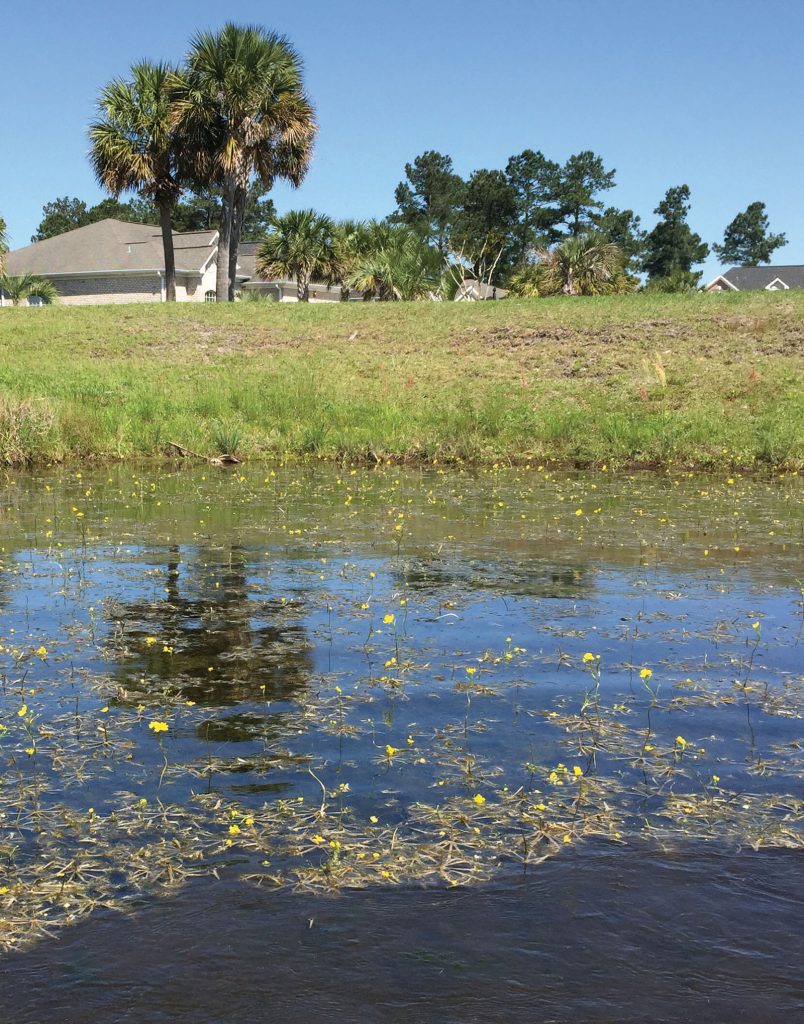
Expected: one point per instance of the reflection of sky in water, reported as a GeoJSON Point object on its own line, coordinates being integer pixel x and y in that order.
{"type": "Point", "coordinates": [258, 628]}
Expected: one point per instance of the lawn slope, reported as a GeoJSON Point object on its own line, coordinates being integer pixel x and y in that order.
{"type": "Point", "coordinates": [699, 380]}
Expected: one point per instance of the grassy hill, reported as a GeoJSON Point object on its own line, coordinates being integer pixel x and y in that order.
{"type": "Point", "coordinates": [699, 380]}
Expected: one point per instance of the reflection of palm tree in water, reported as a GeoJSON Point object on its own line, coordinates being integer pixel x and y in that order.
{"type": "Point", "coordinates": [227, 647]}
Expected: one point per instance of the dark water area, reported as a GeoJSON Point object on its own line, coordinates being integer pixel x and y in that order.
{"type": "Point", "coordinates": [604, 938]}
{"type": "Point", "coordinates": [499, 745]}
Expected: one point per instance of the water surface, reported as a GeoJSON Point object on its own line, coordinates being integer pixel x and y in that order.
{"type": "Point", "coordinates": [393, 744]}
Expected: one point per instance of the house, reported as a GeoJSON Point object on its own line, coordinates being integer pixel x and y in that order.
{"type": "Point", "coordinates": [470, 290]}
{"type": "Point", "coordinates": [113, 261]}
{"type": "Point", "coordinates": [752, 279]}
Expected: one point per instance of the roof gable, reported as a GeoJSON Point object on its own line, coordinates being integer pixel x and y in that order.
{"type": "Point", "coordinates": [111, 247]}
{"type": "Point", "coordinates": [757, 278]}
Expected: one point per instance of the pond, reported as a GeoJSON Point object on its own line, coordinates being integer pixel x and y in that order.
{"type": "Point", "coordinates": [502, 744]}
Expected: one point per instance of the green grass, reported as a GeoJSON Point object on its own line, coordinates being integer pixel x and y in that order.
{"type": "Point", "coordinates": [699, 380]}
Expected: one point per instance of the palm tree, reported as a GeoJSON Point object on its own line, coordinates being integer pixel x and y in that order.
{"type": "Point", "coordinates": [28, 286]}
{"type": "Point", "coordinates": [582, 265]}
{"type": "Point", "coordinates": [135, 146]}
{"type": "Point", "coordinates": [3, 244]}
{"type": "Point", "coordinates": [393, 262]}
{"type": "Point", "coordinates": [301, 246]}
{"type": "Point", "coordinates": [245, 114]}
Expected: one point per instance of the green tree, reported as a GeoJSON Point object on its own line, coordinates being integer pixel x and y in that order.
{"type": "Point", "coordinates": [578, 184]}
{"type": "Point", "coordinates": [201, 211]}
{"type": "Point", "coordinates": [485, 224]}
{"type": "Point", "coordinates": [672, 246]}
{"type": "Point", "coordinates": [244, 113]}
{"type": "Point", "coordinates": [27, 286]}
{"type": "Point", "coordinates": [748, 241]}
{"type": "Point", "coordinates": [582, 265]}
{"type": "Point", "coordinates": [623, 228]}
{"type": "Point", "coordinates": [134, 146]}
{"type": "Point", "coordinates": [428, 200]}
{"type": "Point", "coordinates": [392, 262]}
{"type": "Point", "coordinates": [300, 247]}
{"type": "Point", "coordinates": [534, 180]}
{"type": "Point", "coordinates": [66, 214]}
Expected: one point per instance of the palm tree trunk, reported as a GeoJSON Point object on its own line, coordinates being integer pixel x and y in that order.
{"type": "Point", "coordinates": [238, 211]}
{"type": "Point", "coordinates": [165, 210]}
{"type": "Point", "coordinates": [303, 286]}
{"type": "Point", "coordinates": [225, 239]}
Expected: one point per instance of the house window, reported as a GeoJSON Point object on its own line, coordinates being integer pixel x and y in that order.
{"type": "Point", "coordinates": [210, 297]}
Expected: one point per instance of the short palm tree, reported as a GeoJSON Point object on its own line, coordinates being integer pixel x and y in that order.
{"type": "Point", "coordinates": [244, 113]}
{"type": "Point", "coordinates": [581, 265]}
{"type": "Point", "coordinates": [300, 247]}
{"type": "Point", "coordinates": [28, 286]}
{"type": "Point", "coordinates": [392, 262]}
{"type": "Point", "coordinates": [134, 146]}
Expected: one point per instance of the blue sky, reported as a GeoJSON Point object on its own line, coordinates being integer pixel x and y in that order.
{"type": "Point", "coordinates": [707, 93]}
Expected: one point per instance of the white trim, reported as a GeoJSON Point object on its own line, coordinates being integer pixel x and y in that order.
{"type": "Point", "coordinates": [724, 279]}
{"type": "Point", "coordinates": [777, 280]}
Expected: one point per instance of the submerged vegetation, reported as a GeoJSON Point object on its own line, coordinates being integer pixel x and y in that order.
{"type": "Point", "coordinates": [697, 380]}
{"type": "Point", "coordinates": [322, 679]}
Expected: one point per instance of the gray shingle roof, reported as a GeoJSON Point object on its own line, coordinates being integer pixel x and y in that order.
{"type": "Point", "coordinates": [111, 246]}
{"type": "Point", "coordinates": [753, 278]}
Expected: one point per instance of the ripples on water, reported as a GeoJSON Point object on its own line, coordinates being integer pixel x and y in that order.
{"type": "Point", "coordinates": [417, 798]}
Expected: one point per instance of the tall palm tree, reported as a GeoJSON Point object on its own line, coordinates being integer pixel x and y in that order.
{"type": "Point", "coordinates": [301, 246]}
{"type": "Point", "coordinates": [3, 244]}
{"type": "Point", "coordinates": [245, 113]}
{"type": "Point", "coordinates": [134, 145]}
{"type": "Point", "coordinates": [582, 265]}
{"type": "Point", "coordinates": [28, 286]}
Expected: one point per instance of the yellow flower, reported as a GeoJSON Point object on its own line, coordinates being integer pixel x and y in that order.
{"type": "Point", "coordinates": [150, 640]}
{"type": "Point", "coordinates": [388, 619]}
{"type": "Point", "coordinates": [104, 710]}
{"type": "Point", "coordinates": [567, 839]}
{"type": "Point", "coordinates": [248, 821]}
{"type": "Point", "coordinates": [374, 819]}
{"type": "Point", "coordinates": [715, 779]}
{"type": "Point", "coordinates": [390, 751]}
{"type": "Point", "coordinates": [681, 742]}
{"type": "Point", "coordinates": [318, 840]}
{"type": "Point", "coordinates": [142, 802]}
{"type": "Point", "coordinates": [3, 890]}
{"type": "Point", "coordinates": [588, 657]}
{"type": "Point", "coordinates": [234, 830]}
{"type": "Point", "coordinates": [30, 751]}
{"type": "Point", "coordinates": [23, 711]}
{"type": "Point", "coordinates": [42, 652]}
{"type": "Point", "coordinates": [471, 671]}
{"type": "Point", "coordinates": [479, 799]}
{"type": "Point", "coordinates": [576, 771]}
{"type": "Point", "coordinates": [158, 726]}
{"type": "Point", "coordinates": [540, 807]}
{"type": "Point", "coordinates": [645, 674]}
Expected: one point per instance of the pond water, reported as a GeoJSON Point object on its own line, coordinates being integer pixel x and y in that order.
{"type": "Point", "coordinates": [389, 744]}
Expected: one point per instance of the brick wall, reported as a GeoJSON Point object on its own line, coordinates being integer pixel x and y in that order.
{"type": "Point", "coordinates": [94, 291]}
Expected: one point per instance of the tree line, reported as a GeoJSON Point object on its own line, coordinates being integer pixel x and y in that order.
{"type": "Point", "coordinates": [201, 143]}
